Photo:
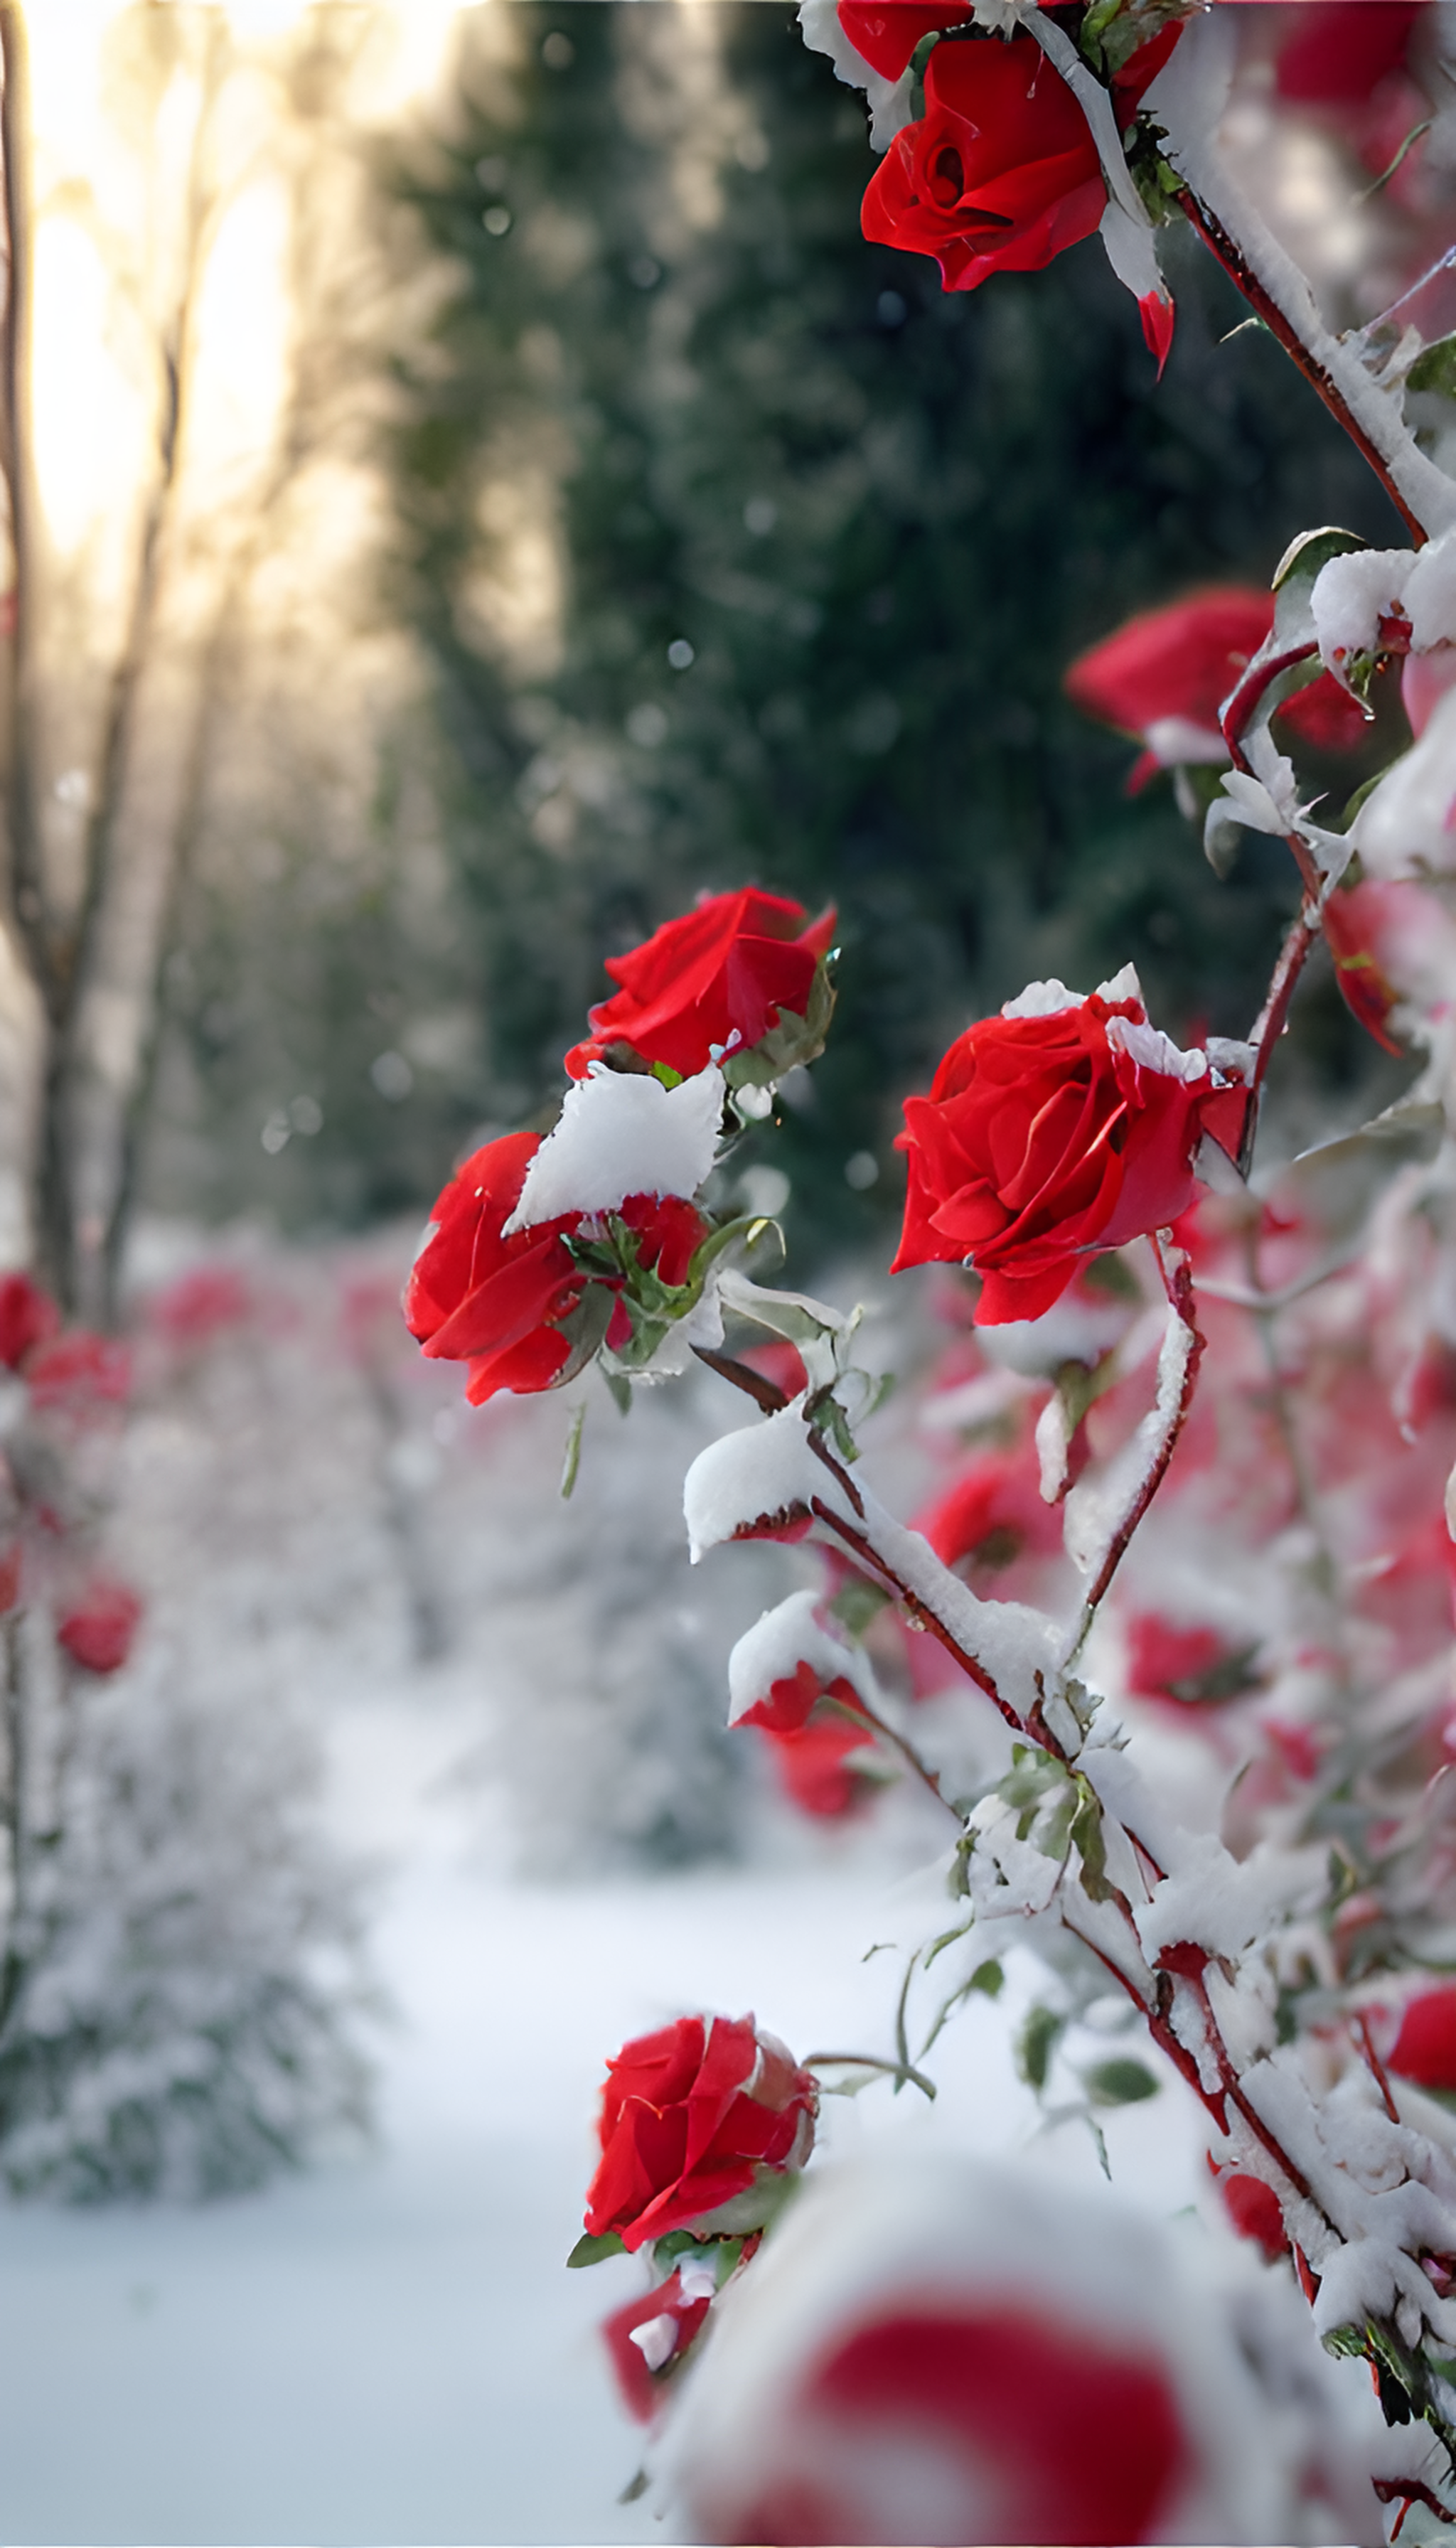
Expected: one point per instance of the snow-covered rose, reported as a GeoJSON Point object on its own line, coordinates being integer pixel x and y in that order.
{"type": "Point", "coordinates": [504, 1301]}
{"type": "Point", "coordinates": [695, 2121]}
{"type": "Point", "coordinates": [933, 2347]}
{"type": "Point", "coordinates": [1061, 1126]}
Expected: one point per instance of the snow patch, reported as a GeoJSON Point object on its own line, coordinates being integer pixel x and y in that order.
{"type": "Point", "coordinates": [1042, 1000]}
{"type": "Point", "coordinates": [620, 1134]}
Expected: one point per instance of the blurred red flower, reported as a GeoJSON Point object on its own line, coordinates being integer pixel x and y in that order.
{"type": "Point", "coordinates": [1425, 2050]}
{"type": "Point", "coordinates": [646, 2336]}
{"type": "Point", "coordinates": [718, 978]}
{"type": "Point", "coordinates": [76, 1373]}
{"type": "Point", "coordinates": [99, 1630]}
{"type": "Point", "coordinates": [27, 1318]}
{"type": "Point", "coordinates": [692, 2117]}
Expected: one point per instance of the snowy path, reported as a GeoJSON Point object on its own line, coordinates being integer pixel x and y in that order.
{"type": "Point", "coordinates": [390, 2350]}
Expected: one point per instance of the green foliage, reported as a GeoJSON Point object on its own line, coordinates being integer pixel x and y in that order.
{"type": "Point", "coordinates": [1122, 2082]}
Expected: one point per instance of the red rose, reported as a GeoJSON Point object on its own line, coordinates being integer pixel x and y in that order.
{"type": "Point", "coordinates": [495, 1303]}
{"type": "Point", "coordinates": [885, 33]}
{"type": "Point", "coordinates": [1164, 675]}
{"type": "Point", "coordinates": [821, 1767]}
{"type": "Point", "coordinates": [1048, 1134]}
{"type": "Point", "coordinates": [718, 978]}
{"type": "Point", "coordinates": [27, 1318]}
{"type": "Point", "coordinates": [99, 1630]}
{"type": "Point", "coordinates": [1425, 2048]}
{"type": "Point", "coordinates": [1001, 173]}
{"type": "Point", "coordinates": [501, 1305]}
{"type": "Point", "coordinates": [692, 2117]}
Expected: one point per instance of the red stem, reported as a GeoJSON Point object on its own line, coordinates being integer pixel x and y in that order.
{"type": "Point", "coordinates": [1231, 258]}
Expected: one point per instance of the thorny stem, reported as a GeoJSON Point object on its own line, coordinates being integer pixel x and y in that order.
{"type": "Point", "coordinates": [1271, 1021]}
{"type": "Point", "coordinates": [1236, 265]}
{"type": "Point", "coordinates": [1178, 1284]}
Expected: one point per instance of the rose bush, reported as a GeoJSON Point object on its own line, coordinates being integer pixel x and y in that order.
{"type": "Point", "coordinates": [1061, 1126]}
{"type": "Point", "coordinates": [503, 1305]}
{"type": "Point", "coordinates": [694, 2118]}
{"type": "Point", "coordinates": [719, 980]}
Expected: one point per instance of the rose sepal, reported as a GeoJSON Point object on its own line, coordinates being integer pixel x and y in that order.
{"type": "Point", "coordinates": [794, 1040]}
{"type": "Point", "coordinates": [595, 2252]}
{"type": "Point", "coordinates": [653, 1306]}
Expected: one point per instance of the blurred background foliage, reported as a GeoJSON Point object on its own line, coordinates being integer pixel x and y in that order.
{"type": "Point", "coordinates": [738, 551]}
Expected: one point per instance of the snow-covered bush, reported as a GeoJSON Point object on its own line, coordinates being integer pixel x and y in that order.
{"type": "Point", "coordinates": [1203, 1412]}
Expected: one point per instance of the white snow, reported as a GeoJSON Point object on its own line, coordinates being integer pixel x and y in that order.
{"type": "Point", "coordinates": [779, 1642]}
{"type": "Point", "coordinates": [1351, 595]}
{"type": "Point", "coordinates": [1042, 1000]}
{"type": "Point", "coordinates": [765, 1470]}
{"type": "Point", "coordinates": [1175, 740]}
{"type": "Point", "coordinates": [1404, 828]}
{"type": "Point", "coordinates": [889, 101]}
{"type": "Point", "coordinates": [620, 1134]}
{"type": "Point", "coordinates": [1153, 1051]}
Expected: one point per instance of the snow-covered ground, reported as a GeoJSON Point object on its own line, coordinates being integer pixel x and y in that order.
{"type": "Point", "coordinates": [389, 2348]}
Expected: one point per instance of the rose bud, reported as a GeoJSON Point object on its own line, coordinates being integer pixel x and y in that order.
{"type": "Point", "coordinates": [1062, 1125]}
{"type": "Point", "coordinates": [933, 2348]}
{"type": "Point", "coordinates": [698, 2121]}
{"type": "Point", "coordinates": [99, 1630]}
{"type": "Point", "coordinates": [27, 1318]}
{"type": "Point", "coordinates": [717, 982]}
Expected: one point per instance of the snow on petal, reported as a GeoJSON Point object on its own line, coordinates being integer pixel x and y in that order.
{"type": "Point", "coordinates": [1175, 741]}
{"type": "Point", "coordinates": [1223, 1903]}
{"type": "Point", "coordinates": [1351, 595]}
{"type": "Point", "coordinates": [1407, 826]}
{"type": "Point", "coordinates": [656, 2339]}
{"type": "Point", "coordinates": [1123, 985]}
{"type": "Point", "coordinates": [1153, 1051]}
{"type": "Point", "coordinates": [748, 1478]}
{"type": "Point", "coordinates": [890, 102]}
{"type": "Point", "coordinates": [774, 1648]}
{"type": "Point", "coordinates": [1247, 800]}
{"type": "Point", "coordinates": [623, 1134]}
{"type": "Point", "coordinates": [1042, 1000]}
{"type": "Point", "coordinates": [1430, 594]}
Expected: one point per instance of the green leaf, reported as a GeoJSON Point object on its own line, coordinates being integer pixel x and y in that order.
{"type": "Point", "coordinates": [664, 1071]}
{"type": "Point", "coordinates": [1119, 2083]}
{"type": "Point", "coordinates": [1041, 2031]}
{"type": "Point", "coordinates": [591, 2251]}
{"type": "Point", "coordinates": [621, 1389]}
{"type": "Point", "coordinates": [1086, 1833]}
{"type": "Point", "coordinates": [1434, 368]}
